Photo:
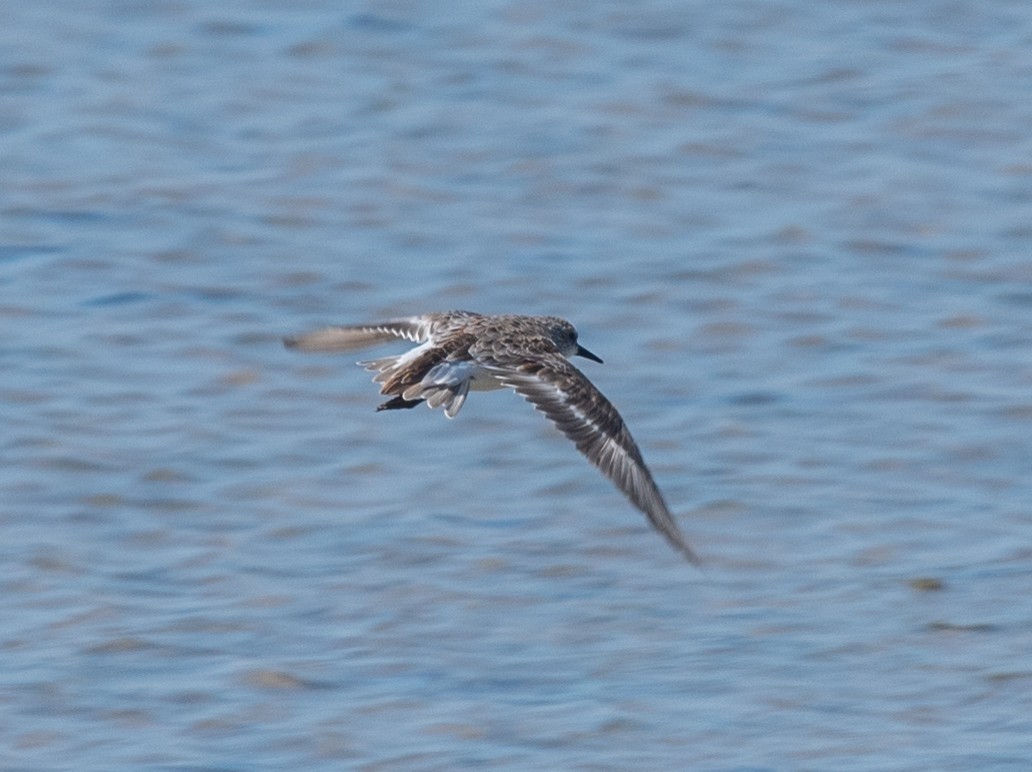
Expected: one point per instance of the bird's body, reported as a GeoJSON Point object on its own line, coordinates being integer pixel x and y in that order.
{"type": "Point", "coordinates": [459, 351]}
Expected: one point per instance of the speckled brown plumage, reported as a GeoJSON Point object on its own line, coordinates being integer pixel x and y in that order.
{"type": "Point", "coordinates": [460, 350]}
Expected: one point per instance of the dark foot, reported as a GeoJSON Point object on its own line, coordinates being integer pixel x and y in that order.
{"type": "Point", "coordinates": [397, 403]}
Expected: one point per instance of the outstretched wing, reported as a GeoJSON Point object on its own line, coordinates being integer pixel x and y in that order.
{"type": "Point", "coordinates": [355, 336]}
{"type": "Point", "coordinates": [581, 412]}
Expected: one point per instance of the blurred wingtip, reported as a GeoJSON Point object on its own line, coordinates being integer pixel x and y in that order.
{"type": "Point", "coordinates": [691, 557]}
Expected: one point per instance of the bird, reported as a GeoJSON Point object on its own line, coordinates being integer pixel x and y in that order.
{"type": "Point", "coordinates": [460, 351]}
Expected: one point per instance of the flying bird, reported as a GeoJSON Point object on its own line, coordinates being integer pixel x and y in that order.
{"type": "Point", "coordinates": [459, 351]}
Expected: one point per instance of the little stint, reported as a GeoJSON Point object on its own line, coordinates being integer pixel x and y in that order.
{"type": "Point", "coordinates": [460, 350]}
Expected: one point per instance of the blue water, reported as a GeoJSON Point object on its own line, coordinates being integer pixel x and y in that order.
{"type": "Point", "coordinates": [798, 234]}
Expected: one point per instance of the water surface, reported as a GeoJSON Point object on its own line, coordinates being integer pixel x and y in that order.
{"type": "Point", "coordinates": [797, 233]}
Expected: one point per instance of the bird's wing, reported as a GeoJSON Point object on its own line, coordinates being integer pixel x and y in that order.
{"type": "Point", "coordinates": [355, 336]}
{"type": "Point", "coordinates": [581, 412]}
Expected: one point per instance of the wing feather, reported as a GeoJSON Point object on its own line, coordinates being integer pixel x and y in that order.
{"type": "Point", "coordinates": [581, 412]}
{"type": "Point", "coordinates": [355, 336]}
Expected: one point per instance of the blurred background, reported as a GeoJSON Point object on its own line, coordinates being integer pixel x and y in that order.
{"type": "Point", "coordinates": [798, 234]}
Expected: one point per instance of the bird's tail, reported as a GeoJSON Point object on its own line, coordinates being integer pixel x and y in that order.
{"type": "Point", "coordinates": [444, 385]}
